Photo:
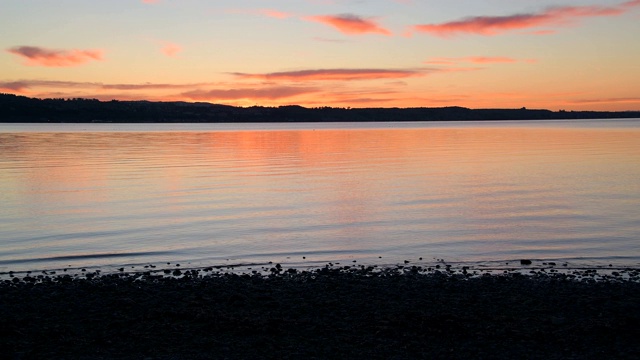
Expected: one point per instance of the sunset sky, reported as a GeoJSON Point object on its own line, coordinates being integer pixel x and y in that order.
{"type": "Point", "coordinates": [555, 54]}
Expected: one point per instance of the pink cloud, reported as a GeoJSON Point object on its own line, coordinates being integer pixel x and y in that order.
{"type": "Point", "coordinates": [473, 59]}
{"type": "Point", "coordinates": [158, 91]}
{"type": "Point", "coordinates": [334, 74]}
{"type": "Point", "coordinates": [275, 13]}
{"type": "Point", "coordinates": [262, 12]}
{"type": "Point", "coordinates": [150, 1]}
{"type": "Point", "coordinates": [490, 59]}
{"type": "Point", "coordinates": [170, 49]}
{"type": "Point", "coordinates": [494, 25]}
{"type": "Point", "coordinates": [37, 56]}
{"type": "Point", "coordinates": [350, 24]}
{"type": "Point", "coordinates": [272, 93]}
{"type": "Point", "coordinates": [628, 100]}
{"type": "Point", "coordinates": [22, 85]}
{"type": "Point", "coordinates": [14, 86]}
{"type": "Point", "coordinates": [544, 32]}
{"type": "Point", "coordinates": [441, 61]}
{"type": "Point", "coordinates": [148, 86]}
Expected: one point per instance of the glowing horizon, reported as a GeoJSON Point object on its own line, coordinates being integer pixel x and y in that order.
{"type": "Point", "coordinates": [551, 54]}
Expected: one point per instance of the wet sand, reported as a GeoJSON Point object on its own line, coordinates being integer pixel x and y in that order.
{"type": "Point", "coordinates": [355, 313]}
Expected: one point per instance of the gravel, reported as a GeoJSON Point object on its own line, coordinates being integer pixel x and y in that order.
{"type": "Point", "coordinates": [330, 313]}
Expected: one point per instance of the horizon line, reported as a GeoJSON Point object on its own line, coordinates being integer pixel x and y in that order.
{"type": "Point", "coordinates": [523, 108]}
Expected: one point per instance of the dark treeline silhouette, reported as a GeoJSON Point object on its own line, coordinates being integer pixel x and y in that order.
{"type": "Point", "coordinates": [14, 108]}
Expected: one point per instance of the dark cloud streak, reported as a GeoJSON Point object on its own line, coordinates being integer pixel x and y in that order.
{"type": "Point", "coordinates": [39, 56]}
{"type": "Point", "coordinates": [494, 25]}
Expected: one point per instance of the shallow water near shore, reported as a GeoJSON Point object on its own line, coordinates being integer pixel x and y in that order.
{"type": "Point", "coordinates": [106, 196]}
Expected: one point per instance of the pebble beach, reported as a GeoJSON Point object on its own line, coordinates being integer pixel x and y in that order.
{"type": "Point", "coordinates": [357, 312]}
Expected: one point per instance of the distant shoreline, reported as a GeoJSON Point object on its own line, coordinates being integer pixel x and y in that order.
{"type": "Point", "coordinates": [21, 109]}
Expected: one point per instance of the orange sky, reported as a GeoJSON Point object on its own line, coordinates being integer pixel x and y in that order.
{"type": "Point", "coordinates": [555, 54]}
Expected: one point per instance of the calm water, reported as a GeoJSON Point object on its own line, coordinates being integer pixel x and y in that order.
{"type": "Point", "coordinates": [98, 195]}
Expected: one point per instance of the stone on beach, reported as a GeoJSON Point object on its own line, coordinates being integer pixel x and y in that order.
{"type": "Point", "coordinates": [356, 312]}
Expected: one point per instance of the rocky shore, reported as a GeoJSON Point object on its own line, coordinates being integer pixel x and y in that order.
{"type": "Point", "coordinates": [329, 313]}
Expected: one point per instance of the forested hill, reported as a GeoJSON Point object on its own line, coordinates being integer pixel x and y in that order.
{"type": "Point", "coordinates": [15, 108]}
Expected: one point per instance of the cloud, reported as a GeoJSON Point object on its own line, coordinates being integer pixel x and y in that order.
{"type": "Point", "coordinates": [275, 13]}
{"type": "Point", "coordinates": [627, 100]}
{"type": "Point", "coordinates": [441, 61]}
{"type": "Point", "coordinates": [474, 60]}
{"type": "Point", "coordinates": [262, 12]}
{"type": "Point", "coordinates": [270, 93]}
{"type": "Point", "coordinates": [335, 74]}
{"type": "Point", "coordinates": [149, 86]}
{"type": "Point", "coordinates": [38, 56]}
{"type": "Point", "coordinates": [544, 32]}
{"type": "Point", "coordinates": [350, 24]}
{"type": "Point", "coordinates": [17, 86]}
{"type": "Point", "coordinates": [155, 91]}
{"type": "Point", "coordinates": [494, 25]}
{"type": "Point", "coordinates": [150, 1]}
{"type": "Point", "coordinates": [170, 49]}
{"type": "Point", "coordinates": [321, 39]}
{"type": "Point", "coordinates": [23, 85]}
{"type": "Point", "coordinates": [490, 59]}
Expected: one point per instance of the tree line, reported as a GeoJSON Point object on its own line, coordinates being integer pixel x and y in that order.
{"type": "Point", "coordinates": [15, 108]}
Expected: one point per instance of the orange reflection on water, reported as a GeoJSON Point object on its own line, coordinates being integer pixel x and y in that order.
{"type": "Point", "coordinates": [76, 161]}
{"type": "Point", "coordinates": [470, 182]}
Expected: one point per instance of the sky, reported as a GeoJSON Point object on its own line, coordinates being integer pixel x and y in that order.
{"type": "Point", "coordinates": [552, 54]}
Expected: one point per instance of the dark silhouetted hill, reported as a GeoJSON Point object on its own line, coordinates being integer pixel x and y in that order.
{"type": "Point", "coordinates": [14, 108]}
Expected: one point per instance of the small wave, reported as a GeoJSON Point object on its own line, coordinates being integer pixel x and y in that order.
{"type": "Point", "coordinates": [83, 256]}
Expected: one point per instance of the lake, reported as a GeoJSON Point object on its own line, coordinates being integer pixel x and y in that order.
{"type": "Point", "coordinates": [105, 196]}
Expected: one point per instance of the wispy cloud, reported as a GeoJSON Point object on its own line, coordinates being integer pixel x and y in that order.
{"type": "Point", "coordinates": [335, 74]}
{"type": "Point", "coordinates": [350, 24]}
{"type": "Point", "coordinates": [268, 93]}
{"type": "Point", "coordinates": [38, 56]}
{"type": "Point", "coordinates": [544, 32]}
{"type": "Point", "coordinates": [170, 49]}
{"type": "Point", "coordinates": [272, 13]}
{"type": "Point", "coordinates": [14, 86]}
{"type": "Point", "coordinates": [620, 100]}
{"type": "Point", "coordinates": [489, 59]}
{"type": "Point", "coordinates": [321, 39]}
{"type": "Point", "coordinates": [474, 60]}
{"type": "Point", "coordinates": [23, 85]}
{"type": "Point", "coordinates": [214, 92]}
{"type": "Point", "coordinates": [149, 86]}
{"type": "Point", "coordinates": [275, 13]}
{"type": "Point", "coordinates": [494, 25]}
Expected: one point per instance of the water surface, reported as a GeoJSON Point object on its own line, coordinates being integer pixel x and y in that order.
{"type": "Point", "coordinates": [105, 195]}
